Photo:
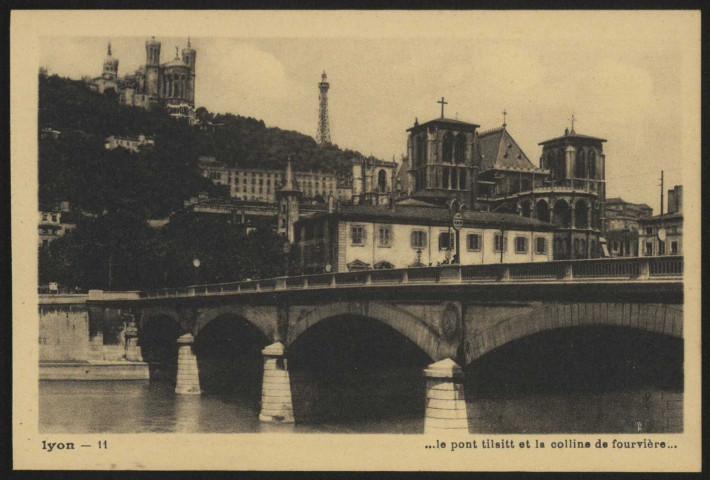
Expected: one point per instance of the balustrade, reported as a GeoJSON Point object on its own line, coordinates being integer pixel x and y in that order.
{"type": "Point", "coordinates": [561, 270]}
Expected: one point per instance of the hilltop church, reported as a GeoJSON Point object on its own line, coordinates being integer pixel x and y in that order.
{"type": "Point", "coordinates": [154, 84]}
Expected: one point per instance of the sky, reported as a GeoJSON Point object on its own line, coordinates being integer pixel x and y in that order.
{"type": "Point", "coordinates": [622, 83]}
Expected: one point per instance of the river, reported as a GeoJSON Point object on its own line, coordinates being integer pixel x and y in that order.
{"type": "Point", "coordinates": [142, 406]}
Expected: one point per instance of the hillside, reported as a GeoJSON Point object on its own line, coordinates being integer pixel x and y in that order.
{"type": "Point", "coordinates": [76, 167]}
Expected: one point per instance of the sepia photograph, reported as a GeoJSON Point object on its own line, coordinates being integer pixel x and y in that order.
{"type": "Point", "coordinates": [463, 240]}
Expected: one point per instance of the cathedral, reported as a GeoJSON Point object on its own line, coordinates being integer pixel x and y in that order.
{"type": "Point", "coordinates": [488, 171]}
{"type": "Point", "coordinates": [170, 85]}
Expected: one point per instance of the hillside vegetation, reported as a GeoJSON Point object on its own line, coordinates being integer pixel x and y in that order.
{"type": "Point", "coordinates": [114, 247]}
{"type": "Point", "coordinates": [77, 167]}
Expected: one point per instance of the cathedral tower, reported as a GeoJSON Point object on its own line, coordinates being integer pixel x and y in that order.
{"type": "Point", "coordinates": [444, 158]}
{"type": "Point", "coordinates": [576, 200]}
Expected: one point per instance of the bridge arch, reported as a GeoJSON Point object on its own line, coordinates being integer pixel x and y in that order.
{"type": "Point", "coordinates": [407, 324]}
{"type": "Point", "coordinates": [655, 318]}
{"type": "Point", "coordinates": [264, 322]}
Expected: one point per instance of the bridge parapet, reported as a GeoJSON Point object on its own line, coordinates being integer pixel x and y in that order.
{"type": "Point", "coordinates": [628, 270]}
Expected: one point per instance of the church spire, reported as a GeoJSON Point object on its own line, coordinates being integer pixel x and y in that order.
{"type": "Point", "coordinates": [109, 48]}
{"type": "Point", "coordinates": [188, 43]}
{"type": "Point", "coordinates": [289, 181]}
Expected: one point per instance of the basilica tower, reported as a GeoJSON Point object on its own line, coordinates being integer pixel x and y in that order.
{"type": "Point", "coordinates": [152, 67]}
{"type": "Point", "coordinates": [189, 56]}
{"type": "Point", "coordinates": [110, 70]}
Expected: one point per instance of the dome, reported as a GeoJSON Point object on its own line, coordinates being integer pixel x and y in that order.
{"type": "Point", "coordinates": [175, 63]}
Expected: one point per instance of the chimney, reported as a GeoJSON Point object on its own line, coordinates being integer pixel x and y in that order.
{"type": "Point", "coordinates": [675, 199]}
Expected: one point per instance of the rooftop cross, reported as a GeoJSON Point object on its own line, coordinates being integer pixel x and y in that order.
{"type": "Point", "coordinates": [572, 120]}
{"type": "Point", "coordinates": [504, 115]}
{"type": "Point", "coordinates": [442, 102]}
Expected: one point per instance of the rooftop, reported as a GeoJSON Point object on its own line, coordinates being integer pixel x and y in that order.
{"type": "Point", "coordinates": [572, 135]}
{"type": "Point", "coordinates": [499, 150]}
{"type": "Point", "coordinates": [427, 215]}
{"type": "Point", "coordinates": [446, 122]}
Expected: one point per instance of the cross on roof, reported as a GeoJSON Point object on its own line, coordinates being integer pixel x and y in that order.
{"type": "Point", "coordinates": [572, 120]}
{"type": "Point", "coordinates": [442, 102]}
{"type": "Point", "coordinates": [504, 114]}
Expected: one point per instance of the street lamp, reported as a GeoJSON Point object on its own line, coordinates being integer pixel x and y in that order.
{"type": "Point", "coordinates": [196, 264]}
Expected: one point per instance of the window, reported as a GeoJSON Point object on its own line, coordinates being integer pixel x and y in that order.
{"type": "Point", "coordinates": [45, 216]}
{"type": "Point", "coordinates": [649, 249]}
{"type": "Point", "coordinates": [446, 241]}
{"type": "Point", "coordinates": [674, 248]}
{"type": "Point", "coordinates": [499, 243]}
{"type": "Point", "coordinates": [540, 245]}
{"type": "Point", "coordinates": [357, 235]}
{"type": "Point", "coordinates": [54, 217]}
{"type": "Point", "coordinates": [473, 242]}
{"type": "Point", "coordinates": [385, 236]}
{"type": "Point", "coordinates": [418, 239]}
{"type": "Point", "coordinates": [521, 245]}
{"type": "Point", "coordinates": [649, 230]}
{"type": "Point", "coordinates": [661, 248]}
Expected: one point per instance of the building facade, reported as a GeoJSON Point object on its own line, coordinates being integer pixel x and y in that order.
{"type": "Point", "coordinates": [622, 233]}
{"type": "Point", "coordinates": [373, 181]}
{"type": "Point", "coordinates": [261, 185]}
{"type": "Point", "coordinates": [170, 85]}
{"type": "Point", "coordinates": [54, 223]}
{"type": "Point", "coordinates": [358, 237]}
{"type": "Point", "coordinates": [132, 144]}
{"type": "Point", "coordinates": [663, 234]}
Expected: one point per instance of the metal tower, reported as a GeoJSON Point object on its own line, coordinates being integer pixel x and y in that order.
{"type": "Point", "coordinates": [323, 134]}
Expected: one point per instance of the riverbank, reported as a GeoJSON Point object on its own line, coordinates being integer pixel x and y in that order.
{"type": "Point", "coordinates": [94, 370]}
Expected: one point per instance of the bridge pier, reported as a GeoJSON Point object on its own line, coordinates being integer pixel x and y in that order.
{"type": "Point", "coordinates": [276, 403]}
{"type": "Point", "coordinates": [445, 401]}
{"type": "Point", "coordinates": [188, 376]}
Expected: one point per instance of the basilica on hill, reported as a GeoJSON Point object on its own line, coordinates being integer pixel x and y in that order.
{"type": "Point", "coordinates": [170, 84]}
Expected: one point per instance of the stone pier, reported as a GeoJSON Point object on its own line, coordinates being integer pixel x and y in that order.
{"type": "Point", "coordinates": [445, 401]}
{"type": "Point", "coordinates": [188, 376]}
{"type": "Point", "coordinates": [276, 404]}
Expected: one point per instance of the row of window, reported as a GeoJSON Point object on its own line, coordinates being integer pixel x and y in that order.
{"type": "Point", "coordinates": [670, 229]}
{"type": "Point", "coordinates": [661, 248]}
{"type": "Point", "coordinates": [474, 241]}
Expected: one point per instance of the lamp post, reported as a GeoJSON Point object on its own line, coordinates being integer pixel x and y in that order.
{"type": "Point", "coordinates": [196, 264]}
{"type": "Point", "coordinates": [502, 240]}
{"type": "Point", "coordinates": [286, 249]}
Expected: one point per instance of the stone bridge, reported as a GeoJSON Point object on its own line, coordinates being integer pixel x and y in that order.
{"type": "Point", "coordinates": [454, 314]}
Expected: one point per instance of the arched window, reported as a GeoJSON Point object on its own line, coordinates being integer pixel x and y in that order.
{"type": "Point", "coordinates": [447, 152]}
{"type": "Point", "coordinates": [525, 209]}
{"type": "Point", "coordinates": [454, 178]}
{"type": "Point", "coordinates": [382, 181]}
{"type": "Point", "coordinates": [462, 180]}
{"type": "Point", "coordinates": [581, 219]}
{"type": "Point", "coordinates": [561, 214]}
{"type": "Point", "coordinates": [580, 166]}
{"type": "Point", "coordinates": [445, 178]}
{"type": "Point", "coordinates": [560, 170]}
{"type": "Point", "coordinates": [592, 164]}
{"type": "Point", "coordinates": [421, 150]}
{"type": "Point", "coordinates": [542, 210]}
{"type": "Point", "coordinates": [460, 148]}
